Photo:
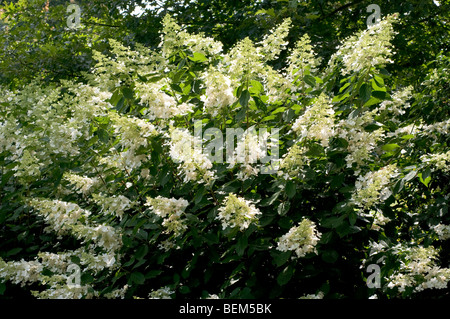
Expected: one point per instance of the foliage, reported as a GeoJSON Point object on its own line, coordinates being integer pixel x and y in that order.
{"type": "Point", "coordinates": [39, 41]}
{"type": "Point", "coordinates": [105, 172]}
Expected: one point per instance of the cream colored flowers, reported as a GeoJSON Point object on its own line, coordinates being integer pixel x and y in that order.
{"type": "Point", "coordinates": [237, 212]}
{"type": "Point", "coordinates": [301, 239]}
{"type": "Point", "coordinates": [317, 123]}
{"type": "Point", "coordinates": [369, 48]}
{"type": "Point", "coordinates": [194, 165]}
{"type": "Point", "coordinates": [171, 211]}
{"type": "Point", "coordinates": [373, 185]}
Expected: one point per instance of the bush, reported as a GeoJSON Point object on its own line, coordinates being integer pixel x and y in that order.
{"type": "Point", "coordinates": [189, 172]}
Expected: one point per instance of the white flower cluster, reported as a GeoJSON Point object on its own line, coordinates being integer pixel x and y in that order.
{"type": "Point", "coordinates": [237, 212]}
{"type": "Point", "coordinates": [302, 59]}
{"type": "Point", "coordinates": [249, 150]}
{"type": "Point", "coordinates": [302, 239]}
{"type": "Point", "coordinates": [110, 73]}
{"type": "Point", "coordinates": [28, 165]}
{"type": "Point", "coordinates": [117, 293]}
{"type": "Point", "coordinates": [160, 104]}
{"type": "Point", "coordinates": [274, 42]}
{"type": "Point", "coordinates": [278, 86]}
{"type": "Point", "coordinates": [173, 38]}
{"type": "Point", "coordinates": [219, 92]}
{"type": "Point", "coordinates": [60, 215]}
{"type": "Point", "coordinates": [319, 295]}
{"type": "Point", "coordinates": [373, 186]}
{"type": "Point", "coordinates": [161, 293]}
{"type": "Point", "coordinates": [244, 62]}
{"type": "Point", "coordinates": [367, 49]}
{"type": "Point", "coordinates": [58, 262]}
{"type": "Point", "coordinates": [195, 165]}
{"type": "Point", "coordinates": [399, 103]}
{"type": "Point", "coordinates": [104, 236]}
{"type": "Point", "coordinates": [410, 129]}
{"type": "Point", "coordinates": [443, 231]}
{"type": "Point", "coordinates": [21, 272]}
{"type": "Point", "coordinates": [114, 205]}
{"type": "Point", "coordinates": [83, 184]}
{"type": "Point", "coordinates": [378, 219]}
{"type": "Point", "coordinates": [292, 162]}
{"type": "Point", "coordinates": [62, 291]}
{"type": "Point", "coordinates": [66, 218]}
{"type": "Point", "coordinates": [360, 142]}
{"type": "Point", "coordinates": [419, 270]}
{"type": "Point", "coordinates": [437, 127]}
{"type": "Point", "coordinates": [134, 133]}
{"type": "Point", "coordinates": [42, 122]}
{"type": "Point", "coordinates": [440, 160]}
{"type": "Point", "coordinates": [29, 272]}
{"type": "Point", "coordinates": [171, 210]}
{"type": "Point", "coordinates": [317, 123]}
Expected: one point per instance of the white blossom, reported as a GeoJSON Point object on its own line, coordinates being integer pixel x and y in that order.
{"type": "Point", "coordinates": [237, 212]}
{"type": "Point", "coordinates": [301, 239]}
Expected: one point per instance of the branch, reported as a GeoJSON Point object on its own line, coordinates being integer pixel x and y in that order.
{"type": "Point", "coordinates": [103, 24]}
{"type": "Point", "coordinates": [345, 6]}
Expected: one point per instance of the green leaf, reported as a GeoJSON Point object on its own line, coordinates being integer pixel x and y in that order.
{"type": "Point", "coordinates": [372, 101]}
{"type": "Point", "coordinates": [141, 252]}
{"type": "Point", "coordinates": [75, 259]}
{"type": "Point", "coordinates": [332, 222]}
{"type": "Point", "coordinates": [378, 80]}
{"type": "Point", "coordinates": [184, 290]}
{"type": "Point", "coordinates": [290, 189]}
{"type": "Point", "coordinates": [256, 87]}
{"type": "Point", "coordinates": [280, 258]}
{"type": "Point", "coordinates": [390, 147]}
{"type": "Point", "coordinates": [364, 92]}
{"type": "Point", "coordinates": [2, 288]}
{"type": "Point", "coordinates": [330, 256]}
{"type": "Point", "coordinates": [352, 217]}
{"type": "Point", "coordinates": [278, 110]}
{"type": "Point", "coordinates": [119, 104]}
{"type": "Point", "coordinates": [286, 275]}
{"type": "Point", "coordinates": [103, 136]}
{"type": "Point", "coordinates": [244, 98]}
{"type": "Point", "coordinates": [379, 94]}
{"type": "Point", "coordinates": [153, 274]}
{"type": "Point", "coordinates": [283, 208]}
{"type": "Point", "coordinates": [241, 245]}
{"type": "Point", "coordinates": [407, 137]}
{"type": "Point", "coordinates": [13, 251]}
{"type": "Point", "coordinates": [198, 57]}
{"type": "Point", "coordinates": [137, 277]}
{"type": "Point", "coordinates": [310, 80]}
{"type": "Point", "coordinates": [425, 176]}
{"type": "Point", "coordinates": [241, 114]}
{"type": "Point", "coordinates": [127, 93]}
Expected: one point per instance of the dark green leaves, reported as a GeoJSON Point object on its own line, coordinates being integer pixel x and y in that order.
{"type": "Point", "coordinates": [137, 278]}
{"type": "Point", "coordinates": [310, 80]}
{"type": "Point", "coordinates": [330, 256]}
{"type": "Point", "coordinates": [290, 189]}
{"type": "Point", "coordinates": [244, 98]}
{"type": "Point", "coordinates": [364, 92]}
{"type": "Point", "coordinates": [285, 276]}
{"type": "Point", "coordinates": [425, 176]}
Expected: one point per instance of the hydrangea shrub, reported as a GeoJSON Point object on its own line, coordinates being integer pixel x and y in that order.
{"type": "Point", "coordinates": [115, 173]}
